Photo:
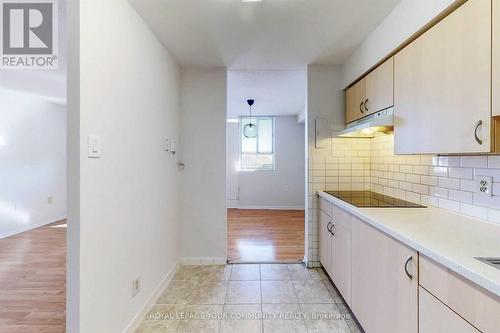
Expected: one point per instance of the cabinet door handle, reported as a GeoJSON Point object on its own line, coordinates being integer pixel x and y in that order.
{"type": "Point", "coordinates": [361, 106]}
{"type": "Point", "coordinates": [410, 258]}
{"type": "Point", "coordinates": [328, 227]}
{"type": "Point", "coordinates": [366, 104]}
{"type": "Point", "coordinates": [331, 229]}
{"type": "Point", "coordinates": [478, 140]}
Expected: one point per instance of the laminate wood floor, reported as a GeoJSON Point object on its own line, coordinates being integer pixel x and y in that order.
{"type": "Point", "coordinates": [33, 281]}
{"type": "Point", "coordinates": [256, 235]}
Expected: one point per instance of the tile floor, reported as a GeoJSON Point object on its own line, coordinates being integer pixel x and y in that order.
{"type": "Point", "coordinates": [249, 298]}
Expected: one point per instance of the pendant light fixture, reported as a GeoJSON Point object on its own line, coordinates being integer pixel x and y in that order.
{"type": "Point", "coordinates": [250, 129]}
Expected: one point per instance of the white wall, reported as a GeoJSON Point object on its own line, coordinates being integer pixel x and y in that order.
{"type": "Point", "coordinates": [124, 205]}
{"type": "Point", "coordinates": [325, 100]}
{"type": "Point", "coordinates": [282, 188]}
{"type": "Point", "coordinates": [33, 161]}
{"type": "Point", "coordinates": [203, 150]}
{"type": "Point", "coordinates": [406, 19]}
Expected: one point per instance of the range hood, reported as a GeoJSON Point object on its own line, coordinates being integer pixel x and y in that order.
{"type": "Point", "coordinates": [381, 121]}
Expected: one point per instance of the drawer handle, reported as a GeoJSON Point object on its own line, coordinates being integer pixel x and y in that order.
{"type": "Point", "coordinates": [478, 140]}
{"type": "Point", "coordinates": [410, 258]}
{"type": "Point", "coordinates": [361, 107]}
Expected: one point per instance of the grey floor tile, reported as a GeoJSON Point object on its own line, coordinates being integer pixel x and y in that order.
{"type": "Point", "coordinates": [283, 318]}
{"type": "Point", "coordinates": [274, 272]}
{"type": "Point", "coordinates": [245, 272]}
{"type": "Point", "coordinates": [208, 292]}
{"type": "Point", "coordinates": [312, 291]}
{"type": "Point", "coordinates": [244, 318]}
{"type": "Point", "coordinates": [243, 292]}
{"type": "Point", "coordinates": [278, 292]}
{"type": "Point", "coordinates": [154, 326]}
{"type": "Point", "coordinates": [201, 319]}
{"type": "Point", "coordinates": [325, 318]}
{"type": "Point", "coordinates": [301, 272]}
{"type": "Point", "coordinates": [178, 292]}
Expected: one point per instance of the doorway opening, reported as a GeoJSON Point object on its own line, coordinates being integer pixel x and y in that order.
{"type": "Point", "coordinates": [265, 179]}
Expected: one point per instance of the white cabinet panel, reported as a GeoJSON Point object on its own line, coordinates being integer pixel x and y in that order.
{"type": "Point", "coordinates": [442, 84]}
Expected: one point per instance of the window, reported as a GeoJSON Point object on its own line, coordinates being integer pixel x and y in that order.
{"type": "Point", "coordinates": [257, 153]}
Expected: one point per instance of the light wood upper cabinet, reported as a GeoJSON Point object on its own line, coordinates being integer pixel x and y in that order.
{"type": "Point", "coordinates": [372, 93]}
{"type": "Point", "coordinates": [496, 59]}
{"type": "Point", "coordinates": [341, 252]}
{"type": "Point", "coordinates": [379, 87]}
{"type": "Point", "coordinates": [384, 298]}
{"type": "Point", "coordinates": [355, 98]}
{"type": "Point", "coordinates": [442, 86]}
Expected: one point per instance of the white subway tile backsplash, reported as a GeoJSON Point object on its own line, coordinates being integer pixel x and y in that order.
{"type": "Point", "coordinates": [451, 161]}
{"type": "Point", "coordinates": [449, 183]}
{"type": "Point", "coordinates": [464, 173]}
{"type": "Point", "coordinates": [429, 180]}
{"type": "Point", "coordinates": [460, 196]}
{"type": "Point", "coordinates": [420, 170]}
{"type": "Point", "coordinates": [438, 171]}
{"type": "Point", "coordinates": [495, 173]}
{"type": "Point", "coordinates": [429, 201]}
{"type": "Point", "coordinates": [486, 200]}
{"type": "Point", "coordinates": [449, 205]}
{"type": "Point", "coordinates": [474, 211]}
{"type": "Point", "coordinates": [494, 162]}
{"type": "Point", "coordinates": [438, 192]}
{"type": "Point", "coordinates": [474, 161]}
{"type": "Point", "coordinates": [422, 189]}
{"type": "Point", "coordinates": [467, 185]}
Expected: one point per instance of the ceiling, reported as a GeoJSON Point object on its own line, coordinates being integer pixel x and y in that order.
{"type": "Point", "coordinates": [271, 34]}
{"type": "Point", "coordinates": [276, 92]}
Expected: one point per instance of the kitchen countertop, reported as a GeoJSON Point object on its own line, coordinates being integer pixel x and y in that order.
{"type": "Point", "coordinates": [450, 239]}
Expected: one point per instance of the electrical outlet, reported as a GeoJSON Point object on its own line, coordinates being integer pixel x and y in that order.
{"type": "Point", "coordinates": [50, 200]}
{"type": "Point", "coordinates": [484, 185]}
{"type": "Point", "coordinates": [136, 286]}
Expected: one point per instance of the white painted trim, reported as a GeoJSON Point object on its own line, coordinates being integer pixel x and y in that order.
{"type": "Point", "coordinates": [136, 321]}
{"type": "Point", "coordinates": [203, 261]}
{"type": "Point", "coordinates": [272, 207]}
{"type": "Point", "coordinates": [31, 226]}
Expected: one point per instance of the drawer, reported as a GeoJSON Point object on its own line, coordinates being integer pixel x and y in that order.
{"type": "Point", "coordinates": [476, 305]}
{"type": "Point", "coordinates": [435, 317]}
{"type": "Point", "coordinates": [326, 207]}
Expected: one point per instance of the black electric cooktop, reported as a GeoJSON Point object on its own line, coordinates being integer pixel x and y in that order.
{"type": "Point", "coordinates": [371, 199]}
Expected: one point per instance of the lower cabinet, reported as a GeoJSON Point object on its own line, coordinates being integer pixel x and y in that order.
{"type": "Point", "coordinates": [341, 252]}
{"type": "Point", "coordinates": [435, 317]}
{"type": "Point", "coordinates": [384, 281]}
{"type": "Point", "coordinates": [325, 242]}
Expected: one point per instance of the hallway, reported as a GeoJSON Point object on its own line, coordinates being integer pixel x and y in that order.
{"type": "Point", "coordinates": [249, 298]}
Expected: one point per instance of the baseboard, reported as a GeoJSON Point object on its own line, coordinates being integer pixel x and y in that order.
{"type": "Point", "coordinates": [203, 261]}
{"type": "Point", "coordinates": [136, 321]}
{"type": "Point", "coordinates": [30, 227]}
{"type": "Point", "coordinates": [272, 207]}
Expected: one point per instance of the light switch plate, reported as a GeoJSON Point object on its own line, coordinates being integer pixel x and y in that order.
{"type": "Point", "coordinates": [484, 185]}
{"type": "Point", "coordinates": [167, 145]}
{"type": "Point", "coordinates": [94, 146]}
{"type": "Point", "coordinates": [173, 146]}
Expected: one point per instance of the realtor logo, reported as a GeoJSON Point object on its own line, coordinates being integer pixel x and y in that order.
{"type": "Point", "coordinates": [29, 34]}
